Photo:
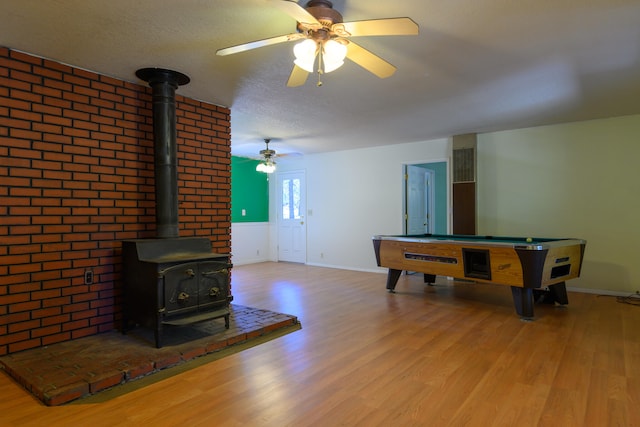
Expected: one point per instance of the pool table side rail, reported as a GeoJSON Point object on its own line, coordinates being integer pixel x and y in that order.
{"type": "Point", "coordinates": [537, 244]}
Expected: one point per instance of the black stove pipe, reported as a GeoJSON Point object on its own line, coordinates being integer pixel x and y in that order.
{"type": "Point", "coordinates": [164, 84]}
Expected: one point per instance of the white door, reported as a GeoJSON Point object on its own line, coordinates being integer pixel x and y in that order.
{"type": "Point", "coordinates": [418, 200]}
{"type": "Point", "coordinates": [292, 227]}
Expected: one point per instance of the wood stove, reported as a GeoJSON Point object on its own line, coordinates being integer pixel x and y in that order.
{"type": "Point", "coordinates": [174, 282]}
{"type": "Point", "coordinates": [171, 280]}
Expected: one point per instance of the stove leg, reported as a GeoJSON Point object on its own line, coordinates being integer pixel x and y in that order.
{"type": "Point", "coordinates": [226, 321]}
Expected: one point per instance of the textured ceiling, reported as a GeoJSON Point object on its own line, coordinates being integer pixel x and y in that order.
{"type": "Point", "coordinates": [476, 66]}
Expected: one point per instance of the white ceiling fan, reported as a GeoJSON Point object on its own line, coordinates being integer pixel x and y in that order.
{"type": "Point", "coordinates": [323, 34]}
{"type": "Point", "coordinates": [267, 158]}
{"type": "Point", "coordinates": [268, 164]}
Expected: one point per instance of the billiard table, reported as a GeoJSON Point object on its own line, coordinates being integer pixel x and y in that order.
{"type": "Point", "coordinates": [527, 265]}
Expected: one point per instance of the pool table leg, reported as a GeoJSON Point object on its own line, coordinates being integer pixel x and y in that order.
{"type": "Point", "coordinates": [392, 279]}
{"type": "Point", "coordinates": [559, 292]}
{"type": "Point", "coordinates": [523, 301]}
{"type": "Point", "coordinates": [429, 279]}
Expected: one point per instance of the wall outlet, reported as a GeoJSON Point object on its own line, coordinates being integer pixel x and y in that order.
{"type": "Point", "coordinates": [88, 277]}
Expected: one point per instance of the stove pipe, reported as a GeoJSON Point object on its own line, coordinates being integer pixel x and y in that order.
{"type": "Point", "coordinates": [164, 84]}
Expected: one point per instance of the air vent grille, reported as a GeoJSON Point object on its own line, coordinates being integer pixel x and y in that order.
{"type": "Point", "coordinates": [464, 169]}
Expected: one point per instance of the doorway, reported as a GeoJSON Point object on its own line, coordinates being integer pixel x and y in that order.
{"type": "Point", "coordinates": [425, 198]}
{"type": "Point", "coordinates": [291, 223]}
{"type": "Point", "coordinates": [419, 200]}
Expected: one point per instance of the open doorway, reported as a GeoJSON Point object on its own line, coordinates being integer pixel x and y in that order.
{"type": "Point", "coordinates": [425, 197]}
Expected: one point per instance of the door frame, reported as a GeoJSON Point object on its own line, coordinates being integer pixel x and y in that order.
{"type": "Point", "coordinates": [432, 205]}
{"type": "Point", "coordinates": [427, 199]}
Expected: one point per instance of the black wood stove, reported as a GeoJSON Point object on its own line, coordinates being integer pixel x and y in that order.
{"type": "Point", "coordinates": [174, 282]}
{"type": "Point", "coordinates": [171, 280]}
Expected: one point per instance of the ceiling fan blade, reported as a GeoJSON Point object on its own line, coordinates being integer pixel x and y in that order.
{"type": "Point", "coordinates": [377, 27]}
{"type": "Point", "coordinates": [282, 155]}
{"type": "Point", "coordinates": [298, 13]}
{"type": "Point", "coordinates": [298, 77]}
{"type": "Point", "coordinates": [259, 43]}
{"type": "Point", "coordinates": [369, 61]}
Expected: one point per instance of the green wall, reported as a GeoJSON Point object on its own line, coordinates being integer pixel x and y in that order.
{"type": "Point", "coordinates": [249, 191]}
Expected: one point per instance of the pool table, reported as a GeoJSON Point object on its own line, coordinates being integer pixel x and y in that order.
{"type": "Point", "coordinates": [525, 264]}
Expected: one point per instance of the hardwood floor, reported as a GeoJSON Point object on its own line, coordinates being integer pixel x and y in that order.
{"type": "Point", "coordinates": [426, 356]}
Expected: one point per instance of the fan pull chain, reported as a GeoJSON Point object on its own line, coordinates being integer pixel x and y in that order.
{"type": "Point", "coordinates": [319, 68]}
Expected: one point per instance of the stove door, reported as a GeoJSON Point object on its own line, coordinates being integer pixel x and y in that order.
{"type": "Point", "coordinates": [214, 284]}
{"type": "Point", "coordinates": [181, 288]}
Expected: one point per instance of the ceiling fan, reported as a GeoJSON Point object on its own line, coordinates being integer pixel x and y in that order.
{"type": "Point", "coordinates": [268, 164]}
{"type": "Point", "coordinates": [325, 35]}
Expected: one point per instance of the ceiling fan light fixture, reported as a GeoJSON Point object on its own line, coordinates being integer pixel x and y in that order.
{"type": "Point", "coordinates": [333, 54]}
{"type": "Point", "coordinates": [267, 166]}
{"type": "Point", "coordinates": [305, 53]}
{"type": "Point", "coordinates": [319, 24]}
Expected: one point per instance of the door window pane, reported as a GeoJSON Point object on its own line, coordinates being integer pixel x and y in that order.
{"type": "Point", "coordinates": [291, 198]}
{"type": "Point", "coordinates": [296, 198]}
{"type": "Point", "coordinates": [286, 196]}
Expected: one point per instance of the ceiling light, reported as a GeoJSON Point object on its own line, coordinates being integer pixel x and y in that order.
{"type": "Point", "coordinates": [268, 166]}
{"type": "Point", "coordinates": [333, 54]}
{"type": "Point", "coordinates": [305, 53]}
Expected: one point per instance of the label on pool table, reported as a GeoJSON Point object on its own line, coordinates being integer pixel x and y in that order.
{"type": "Point", "coordinates": [430, 258]}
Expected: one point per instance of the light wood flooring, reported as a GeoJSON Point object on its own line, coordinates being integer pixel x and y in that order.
{"type": "Point", "coordinates": [445, 355]}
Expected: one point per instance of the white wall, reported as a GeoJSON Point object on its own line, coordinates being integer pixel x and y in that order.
{"type": "Point", "coordinates": [250, 242]}
{"type": "Point", "coordinates": [353, 195]}
{"type": "Point", "coordinates": [570, 180]}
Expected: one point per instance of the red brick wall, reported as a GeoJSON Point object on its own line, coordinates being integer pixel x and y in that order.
{"type": "Point", "coordinates": [76, 178]}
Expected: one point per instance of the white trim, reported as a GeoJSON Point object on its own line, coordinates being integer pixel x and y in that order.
{"type": "Point", "coordinates": [250, 242]}
{"type": "Point", "coordinates": [599, 292]}
{"type": "Point", "coordinates": [340, 267]}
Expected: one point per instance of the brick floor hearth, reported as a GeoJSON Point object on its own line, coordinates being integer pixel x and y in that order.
{"type": "Point", "coordinates": [63, 372]}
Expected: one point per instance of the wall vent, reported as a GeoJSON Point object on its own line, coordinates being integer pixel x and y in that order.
{"type": "Point", "coordinates": [464, 162]}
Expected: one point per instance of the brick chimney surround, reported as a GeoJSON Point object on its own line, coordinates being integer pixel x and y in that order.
{"type": "Point", "coordinates": [76, 179]}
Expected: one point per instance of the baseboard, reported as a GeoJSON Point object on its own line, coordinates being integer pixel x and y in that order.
{"type": "Point", "coordinates": [342, 267]}
{"type": "Point", "coordinates": [247, 261]}
{"type": "Point", "coordinates": [599, 291]}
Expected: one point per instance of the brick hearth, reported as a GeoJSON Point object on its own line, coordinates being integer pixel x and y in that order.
{"type": "Point", "coordinates": [66, 371]}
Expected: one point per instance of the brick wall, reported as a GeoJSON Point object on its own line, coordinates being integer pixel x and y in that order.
{"type": "Point", "coordinates": [76, 178]}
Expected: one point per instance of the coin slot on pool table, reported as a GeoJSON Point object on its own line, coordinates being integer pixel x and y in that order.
{"type": "Point", "coordinates": [477, 263]}
{"type": "Point", "coordinates": [561, 270]}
